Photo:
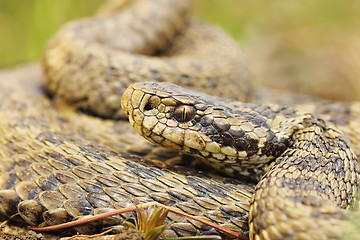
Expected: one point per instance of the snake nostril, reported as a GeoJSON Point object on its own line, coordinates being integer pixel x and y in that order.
{"type": "Point", "coordinates": [149, 106]}
{"type": "Point", "coordinates": [152, 103]}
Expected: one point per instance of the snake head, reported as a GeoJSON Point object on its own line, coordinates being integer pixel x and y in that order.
{"type": "Point", "coordinates": [229, 135]}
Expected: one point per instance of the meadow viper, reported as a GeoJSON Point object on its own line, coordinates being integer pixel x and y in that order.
{"type": "Point", "coordinates": [60, 164]}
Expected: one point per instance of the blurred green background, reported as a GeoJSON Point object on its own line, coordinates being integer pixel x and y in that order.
{"type": "Point", "coordinates": [27, 25]}
{"type": "Point", "coordinates": [297, 40]}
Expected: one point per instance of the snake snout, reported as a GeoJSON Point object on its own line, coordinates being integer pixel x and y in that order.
{"type": "Point", "coordinates": [125, 100]}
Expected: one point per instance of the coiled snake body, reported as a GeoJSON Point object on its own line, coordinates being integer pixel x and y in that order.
{"type": "Point", "coordinates": [59, 164]}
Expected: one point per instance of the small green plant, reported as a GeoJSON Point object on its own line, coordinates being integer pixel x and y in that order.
{"type": "Point", "coordinates": [150, 221]}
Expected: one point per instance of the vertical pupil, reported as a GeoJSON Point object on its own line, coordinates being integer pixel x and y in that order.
{"type": "Point", "coordinates": [184, 113]}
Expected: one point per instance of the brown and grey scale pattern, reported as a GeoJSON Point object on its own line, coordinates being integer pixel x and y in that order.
{"type": "Point", "coordinates": [229, 136]}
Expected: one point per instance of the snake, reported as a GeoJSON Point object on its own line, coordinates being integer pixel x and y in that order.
{"type": "Point", "coordinates": [67, 151]}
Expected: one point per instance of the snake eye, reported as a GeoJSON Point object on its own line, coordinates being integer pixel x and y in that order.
{"type": "Point", "coordinates": [184, 113]}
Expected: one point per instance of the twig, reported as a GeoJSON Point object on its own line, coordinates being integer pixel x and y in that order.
{"type": "Point", "coordinates": [133, 208]}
